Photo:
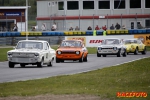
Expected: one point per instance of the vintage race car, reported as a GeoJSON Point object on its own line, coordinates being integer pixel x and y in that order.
{"type": "Point", "coordinates": [71, 50]}
{"type": "Point", "coordinates": [135, 46]}
{"type": "Point", "coordinates": [35, 52]}
{"type": "Point", "coordinates": [111, 46]}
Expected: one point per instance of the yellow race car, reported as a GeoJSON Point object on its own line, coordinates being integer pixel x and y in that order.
{"type": "Point", "coordinates": [135, 46]}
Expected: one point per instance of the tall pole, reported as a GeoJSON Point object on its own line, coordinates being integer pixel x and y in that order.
{"type": "Point", "coordinates": [26, 19]}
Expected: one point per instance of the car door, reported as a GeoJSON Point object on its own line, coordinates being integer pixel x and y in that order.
{"type": "Point", "coordinates": [46, 52]}
{"type": "Point", "coordinates": [51, 52]}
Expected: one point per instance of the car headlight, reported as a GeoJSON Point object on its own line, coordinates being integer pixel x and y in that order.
{"type": "Point", "coordinates": [115, 48]}
{"type": "Point", "coordinates": [36, 54]}
{"type": "Point", "coordinates": [77, 52]}
{"type": "Point", "coordinates": [9, 53]}
{"type": "Point", "coordinates": [99, 48]}
{"type": "Point", "coordinates": [59, 52]}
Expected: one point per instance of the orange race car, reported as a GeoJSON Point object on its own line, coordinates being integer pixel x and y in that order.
{"type": "Point", "coordinates": [71, 50]}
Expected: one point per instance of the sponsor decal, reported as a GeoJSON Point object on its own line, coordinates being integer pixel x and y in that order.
{"type": "Point", "coordinates": [145, 38]}
{"type": "Point", "coordinates": [95, 41]}
{"type": "Point", "coordinates": [13, 14]}
{"type": "Point", "coordinates": [131, 94]}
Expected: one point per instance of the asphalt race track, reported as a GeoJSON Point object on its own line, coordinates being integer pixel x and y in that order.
{"type": "Point", "coordinates": [68, 67]}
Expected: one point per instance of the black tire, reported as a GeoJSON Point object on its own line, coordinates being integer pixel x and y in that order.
{"type": "Point", "coordinates": [119, 53]}
{"type": "Point", "coordinates": [98, 55]}
{"type": "Point", "coordinates": [40, 64]}
{"type": "Point", "coordinates": [81, 59]}
{"type": "Point", "coordinates": [22, 65]}
{"type": "Point", "coordinates": [85, 59]}
{"type": "Point", "coordinates": [104, 55]}
{"type": "Point", "coordinates": [62, 60]}
{"type": "Point", "coordinates": [144, 51]}
{"type": "Point", "coordinates": [125, 54]}
{"type": "Point", "coordinates": [51, 63]}
{"type": "Point", "coordinates": [11, 64]}
{"type": "Point", "coordinates": [57, 60]}
{"type": "Point", "coordinates": [136, 51]}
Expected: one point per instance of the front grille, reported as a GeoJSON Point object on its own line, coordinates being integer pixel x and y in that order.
{"type": "Point", "coordinates": [23, 55]}
{"type": "Point", "coordinates": [68, 52]}
{"type": "Point", "coordinates": [107, 48]}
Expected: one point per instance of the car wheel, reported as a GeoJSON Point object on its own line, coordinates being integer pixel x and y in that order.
{"type": "Point", "coordinates": [40, 64]}
{"type": "Point", "coordinates": [81, 59]}
{"type": "Point", "coordinates": [57, 60]}
{"type": "Point", "coordinates": [11, 64]}
{"type": "Point", "coordinates": [51, 63]}
{"type": "Point", "coordinates": [125, 54]}
{"type": "Point", "coordinates": [85, 59]}
{"type": "Point", "coordinates": [119, 53]}
{"type": "Point", "coordinates": [22, 65]}
{"type": "Point", "coordinates": [104, 55]}
{"type": "Point", "coordinates": [136, 51]}
{"type": "Point", "coordinates": [144, 51]}
{"type": "Point", "coordinates": [98, 55]}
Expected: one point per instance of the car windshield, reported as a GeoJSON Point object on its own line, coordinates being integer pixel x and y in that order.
{"type": "Point", "coordinates": [110, 41]}
{"type": "Point", "coordinates": [70, 44]}
{"type": "Point", "coordinates": [130, 41]}
{"type": "Point", "coordinates": [29, 45]}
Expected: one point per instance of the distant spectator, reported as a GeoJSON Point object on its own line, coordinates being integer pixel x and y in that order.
{"type": "Point", "coordinates": [15, 28]}
{"type": "Point", "coordinates": [43, 27]}
{"type": "Point", "coordinates": [97, 28]}
{"type": "Point", "coordinates": [139, 26]}
{"type": "Point", "coordinates": [77, 28]}
{"type": "Point", "coordinates": [112, 27]}
{"type": "Point", "coordinates": [5, 29]}
{"type": "Point", "coordinates": [70, 29]}
{"type": "Point", "coordinates": [33, 28]}
{"type": "Point", "coordinates": [104, 27]}
{"type": "Point", "coordinates": [117, 26]}
{"type": "Point", "coordinates": [123, 27]}
{"type": "Point", "coordinates": [54, 27]}
{"type": "Point", "coordinates": [89, 28]}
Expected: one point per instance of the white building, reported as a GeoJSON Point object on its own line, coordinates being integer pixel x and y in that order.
{"type": "Point", "coordinates": [84, 13]}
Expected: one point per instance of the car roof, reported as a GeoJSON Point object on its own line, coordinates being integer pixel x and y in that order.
{"type": "Point", "coordinates": [32, 41]}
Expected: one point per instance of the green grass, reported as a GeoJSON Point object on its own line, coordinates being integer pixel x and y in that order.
{"type": "Point", "coordinates": [106, 82]}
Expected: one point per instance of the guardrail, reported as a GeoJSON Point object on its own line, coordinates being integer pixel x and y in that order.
{"type": "Point", "coordinates": [75, 33]}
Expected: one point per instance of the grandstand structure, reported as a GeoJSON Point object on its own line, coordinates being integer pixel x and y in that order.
{"type": "Point", "coordinates": [84, 13]}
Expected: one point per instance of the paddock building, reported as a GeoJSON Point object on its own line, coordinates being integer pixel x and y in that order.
{"type": "Point", "coordinates": [12, 15]}
{"type": "Point", "coordinates": [84, 13]}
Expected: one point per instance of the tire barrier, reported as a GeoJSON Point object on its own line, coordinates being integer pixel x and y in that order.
{"type": "Point", "coordinates": [75, 33]}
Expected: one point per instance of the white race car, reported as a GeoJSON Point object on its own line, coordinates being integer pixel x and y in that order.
{"type": "Point", "coordinates": [35, 52]}
{"type": "Point", "coordinates": [111, 46]}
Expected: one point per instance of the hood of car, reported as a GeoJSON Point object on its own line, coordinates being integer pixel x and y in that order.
{"type": "Point", "coordinates": [69, 49]}
{"type": "Point", "coordinates": [26, 50]}
{"type": "Point", "coordinates": [109, 46]}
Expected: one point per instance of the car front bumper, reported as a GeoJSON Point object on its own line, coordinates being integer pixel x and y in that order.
{"type": "Point", "coordinates": [69, 56]}
{"type": "Point", "coordinates": [24, 60]}
{"type": "Point", "coordinates": [108, 52]}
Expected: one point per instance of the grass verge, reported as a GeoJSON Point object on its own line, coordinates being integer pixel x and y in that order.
{"type": "Point", "coordinates": [104, 82]}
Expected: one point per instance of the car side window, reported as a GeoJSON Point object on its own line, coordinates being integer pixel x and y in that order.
{"type": "Point", "coordinates": [45, 46]}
